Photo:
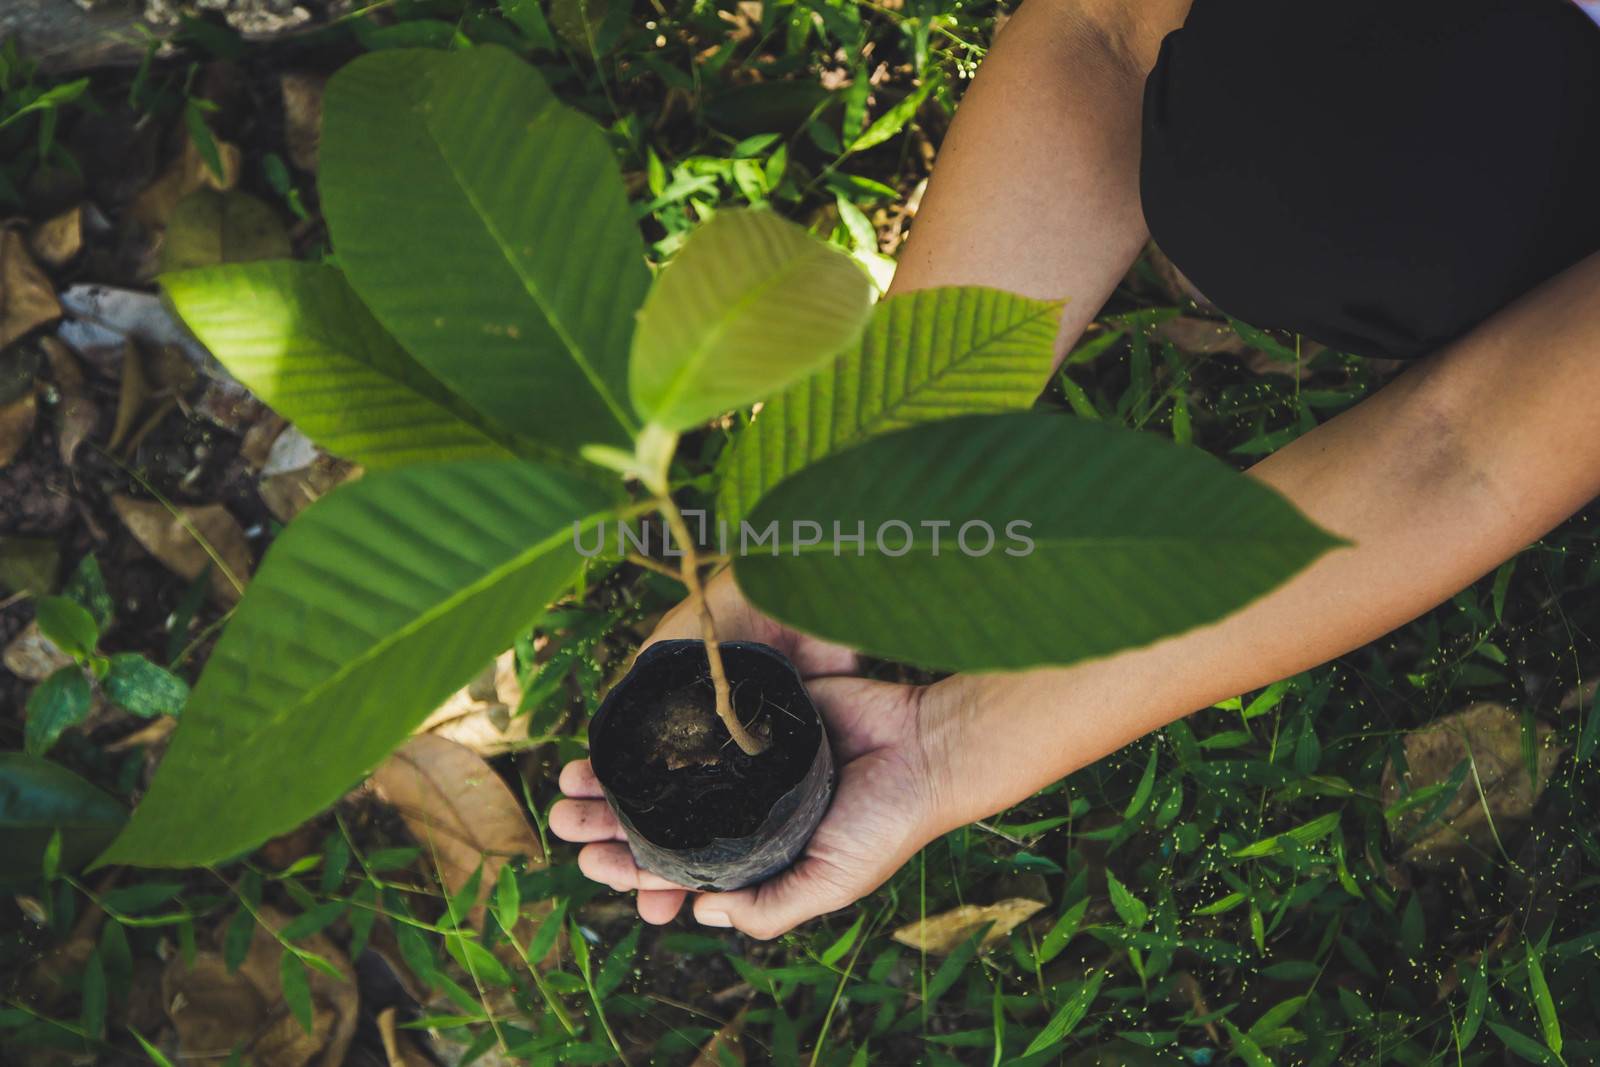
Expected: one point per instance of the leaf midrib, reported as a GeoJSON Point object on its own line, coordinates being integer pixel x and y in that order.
{"type": "Point", "coordinates": [423, 618]}
{"type": "Point", "coordinates": [1314, 537]}
{"type": "Point", "coordinates": [862, 430]}
{"type": "Point", "coordinates": [679, 381]}
{"type": "Point", "coordinates": [529, 284]}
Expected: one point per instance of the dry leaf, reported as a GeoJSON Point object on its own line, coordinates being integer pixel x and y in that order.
{"type": "Point", "coordinates": [27, 299]}
{"type": "Point", "coordinates": [942, 934]}
{"type": "Point", "coordinates": [258, 438]}
{"type": "Point", "coordinates": [133, 396]}
{"type": "Point", "coordinates": [154, 206]}
{"type": "Point", "coordinates": [723, 1047]}
{"type": "Point", "coordinates": [102, 319]}
{"type": "Point", "coordinates": [32, 656]}
{"type": "Point", "coordinates": [459, 811]}
{"type": "Point", "coordinates": [286, 495]}
{"type": "Point", "coordinates": [1202, 337]}
{"type": "Point", "coordinates": [216, 1012]}
{"type": "Point", "coordinates": [157, 731]}
{"type": "Point", "coordinates": [291, 450]}
{"type": "Point", "coordinates": [210, 227]}
{"type": "Point", "coordinates": [29, 565]}
{"type": "Point", "coordinates": [76, 414]}
{"type": "Point", "coordinates": [1493, 736]}
{"type": "Point", "coordinates": [57, 241]}
{"type": "Point", "coordinates": [176, 540]}
{"type": "Point", "coordinates": [302, 116]}
{"type": "Point", "coordinates": [398, 1047]}
{"type": "Point", "coordinates": [479, 714]}
{"type": "Point", "coordinates": [16, 425]}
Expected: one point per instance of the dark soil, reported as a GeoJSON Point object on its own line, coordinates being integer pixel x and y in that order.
{"type": "Point", "coordinates": [671, 764]}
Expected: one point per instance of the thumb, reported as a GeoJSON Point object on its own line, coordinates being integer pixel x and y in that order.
{"type": "Point", "coordinates": [775, 907]}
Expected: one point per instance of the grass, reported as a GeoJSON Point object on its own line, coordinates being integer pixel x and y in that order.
{"type": "Point", "coordinates": [1231, 889]}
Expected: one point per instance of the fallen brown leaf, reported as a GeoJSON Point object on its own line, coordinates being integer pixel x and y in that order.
{"type": "Point", "coordinates": [723, 1047]}
{"type": "Point", "coordinates": [258, 438]}
{"type": "Point", "coordinates": [180, 542]}
{"type": "Point", "coordinates": [302, 116]}
{"type": "Point", "coordinates": [133, 395]}
{"type": "Point", "coordinates": [216, 1012]}
{"type": "Point", "coordinates": [942, 934]}
{"type": "Point", "coordinates": [289, 493]}
{"type": "Point", "coordinates": [210, 227]}
{"type": "Point", "coordinates": [16, 426]}
{"type": "Point", "coordinates": [187, 172]}
{"type": "Point", "coordinates": [29, 565]}
{"type": "Point", "coordinates": [1492, 735]}
{"type": "Point", "coordinates": [479, 714]}
{"type": "Point", "coordinates": [32, 656]}
{"type": "Point", "coordinates": [76, 414]}
{"type": "Point", "coordinates": [27, 299]}
{"type": "Point", "coordinates": [459, 811]}
{"type": "Point", "coordinates": [1202, 337]}
{"type": "Point", "coordinates": [57, 241]}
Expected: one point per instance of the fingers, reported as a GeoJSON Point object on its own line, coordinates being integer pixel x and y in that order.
{"type": "Point", "coordinates": [582, 821]}
{"type": "Point", "coordinates": [660, 906]}
{"type": "Point", "coordinates": [820, 659]}
{"type": "Point", "coordinates": [610, 863]}
{"type": "Point", "coordinates": [578, 780]}
{"type": "Point", "coordinates": [773, 908]}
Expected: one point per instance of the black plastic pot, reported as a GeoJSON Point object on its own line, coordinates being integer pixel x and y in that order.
{"type": "Point", "coordinates": [736, 819]}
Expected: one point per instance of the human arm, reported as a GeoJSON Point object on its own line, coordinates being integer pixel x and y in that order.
{"type": "Point", "coordinates": [1462, 461]}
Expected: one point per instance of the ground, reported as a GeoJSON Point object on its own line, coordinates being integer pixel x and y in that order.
{"type": "Point", "coordinates": [1388, 859]}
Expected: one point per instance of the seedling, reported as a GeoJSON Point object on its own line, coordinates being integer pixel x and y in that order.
{"type": "Point", "coordinates": [493, 349]}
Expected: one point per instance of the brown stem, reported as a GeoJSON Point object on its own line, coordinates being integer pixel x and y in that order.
{"type": "Point", "coordinates": [642, 561]}
{"type": "Point", "coordinates": [747, 742]}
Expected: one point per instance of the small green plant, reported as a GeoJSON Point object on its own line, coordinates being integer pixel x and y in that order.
{"type": "Point", "coordinates": [29, 113]}
{"type": "Point", "coordinates": [492, 348]}
{"type": "Point", "coordinates": [74, 622]}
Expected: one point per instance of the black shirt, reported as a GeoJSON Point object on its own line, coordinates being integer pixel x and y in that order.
{"type": "Point", "coordinates": [1378, 175]}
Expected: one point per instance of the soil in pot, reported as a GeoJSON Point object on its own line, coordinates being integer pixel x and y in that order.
{"type": "Point", "coordinates": [697, 808]}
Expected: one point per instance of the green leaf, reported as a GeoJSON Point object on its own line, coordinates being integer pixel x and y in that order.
{"type": "Point", "coordinates": [86, 587]}
{"type": "Point", "coordinates": [296, 984]}
{"type": "Point", "coordinates": [1549, 1019]}
{"type": "Point", "coordinates": [373, 606]}
{"type": "Point", "coordinates": [507, 899]}
{"type": "Point", "coordinates": [1102, 539]}
{"type": "Point", "coordinates": [617, 964]}
{"type": "Point", "coordinates": [926, 355]}
{"type": "Point", "coordinates": [1061, 933]}
{"type": "Point", "coordinates": [298, 337]}
{"type": "Point", "coordinates": [894, 120]}
{"type": "Point", "coordinates": [1068, 1016]}
{"type": "Point", "coordinates": [750, 304]}
{"type": "Point", "coordinates": [60, 701]}
{"type": "Point", "coordinates": [136, 685]}
{"type": "Point", "coordinates": [68, 624]}
{"type": "Point", "coordinates": [1306, 833]}
{"type": "Point", "coordinates": [1130, 909]}
{"type": "Point", "coordinates": [487, 228]}
{"type": "Point", "coordinates": [92, 1011]}
{"type": "Point", "coordinates": [39, 799]}
{"type": "Point", "coordinates": [1524, 1046]}
{"type": "Point", "coordinates": [1477, 1000]}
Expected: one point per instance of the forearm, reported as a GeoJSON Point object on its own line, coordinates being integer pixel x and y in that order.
{"type": "Point", "coordinates": [1036, 186]}
{"type": "Point", "coordinates": [1454, 467]}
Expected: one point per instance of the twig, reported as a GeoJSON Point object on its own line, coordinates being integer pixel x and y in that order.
{"type": "Point", "coordinates": [747, 742]}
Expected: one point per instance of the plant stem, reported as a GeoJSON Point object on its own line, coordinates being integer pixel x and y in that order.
{"type": "Point", "coordinates": [747, 742]}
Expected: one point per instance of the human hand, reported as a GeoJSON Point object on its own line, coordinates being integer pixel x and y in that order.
{"type": "Point", "coordinates": [883, 811]}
